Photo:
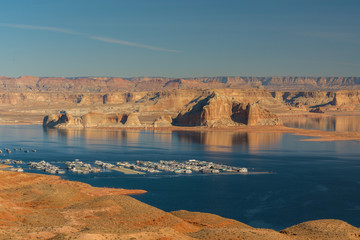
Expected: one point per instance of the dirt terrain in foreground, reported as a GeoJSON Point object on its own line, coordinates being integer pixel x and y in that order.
{"type": "Point", "coordinates": [34, 206]}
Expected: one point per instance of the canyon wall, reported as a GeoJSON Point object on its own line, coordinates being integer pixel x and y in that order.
{"type": "Point", "coordinates": [159, 93]}
{"type": "Point", "coordinates": [220, 110]}
{"type": "Point", "coordinates": [114, 84]}
{"type": "Point", "coordinates": [26, 96]}
{"type": "Point", "coordinates": [91, 119]}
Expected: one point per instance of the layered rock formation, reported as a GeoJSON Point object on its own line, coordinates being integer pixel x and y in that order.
{"type": "Point", "coordinates": [62, 120]}
{"type": "Point", "coordinates": [132, 120]}
{"type": "Point", "coordinates": [26, 96]}
{"type": "Point", "coordinates": [219, 110]}
{"type": "Point", "coordinates": [203, 108]}
{"type": "Point", "coordinates": [163, 121]}
{"type": "Point", "coordinates": [113, 84]}
{"type": "Point", "coordinates": [91, 119]}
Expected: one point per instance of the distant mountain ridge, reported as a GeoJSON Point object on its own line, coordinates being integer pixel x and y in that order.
{"type": "Point", "coordinates": [115, 84]}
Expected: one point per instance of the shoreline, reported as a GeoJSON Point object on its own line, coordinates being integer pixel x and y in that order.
{"type": "Point", "coordinates": [319, 135]}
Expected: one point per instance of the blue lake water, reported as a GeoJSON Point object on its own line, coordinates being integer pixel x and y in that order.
{"type": "Point", "coordinates": [310, 180]}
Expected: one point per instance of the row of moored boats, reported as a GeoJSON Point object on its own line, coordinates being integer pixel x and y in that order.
{"type": "Point", "coordinates": [77, 166]}
{"type": "Point", "coordinates": [8, 150]}
{"type": "Point", "coordinates": [187, 167]}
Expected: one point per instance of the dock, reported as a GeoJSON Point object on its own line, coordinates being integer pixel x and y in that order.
{"type": "Point", "coordinates": [127, 170]}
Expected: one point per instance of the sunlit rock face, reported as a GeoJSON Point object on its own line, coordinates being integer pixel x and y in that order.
{"type": "Point", "coordinates": [62, 120]}
{"type": "Point", "coordinates": [91, 119]}
{"type": "Point", "coordinates": [219, 110]}
{"type": "Point", "coordinates": [163, 121]}
{"type": "Point", "coordinates": [115, 84]}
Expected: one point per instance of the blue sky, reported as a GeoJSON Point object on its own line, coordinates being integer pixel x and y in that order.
{"type": "Point", "coordinates": [179, 38]}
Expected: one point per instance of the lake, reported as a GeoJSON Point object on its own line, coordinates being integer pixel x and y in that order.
{"type": "Point", "coordinates": [308, 180]}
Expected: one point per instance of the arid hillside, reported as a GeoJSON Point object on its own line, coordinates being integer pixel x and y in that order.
{"type": "Point", "coordinates": [34, 206]}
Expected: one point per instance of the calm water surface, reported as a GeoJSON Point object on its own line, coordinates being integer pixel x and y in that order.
{"type": "Point", "coordinates": [311, 180]}
{"type": "Point", "coordinates": [327, 123]}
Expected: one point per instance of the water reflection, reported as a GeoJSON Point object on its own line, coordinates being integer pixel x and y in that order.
{"type": "Point", "coordinates": [327, 123]}
{"type": "Point", "coordinates": [223, 141]}
{"type": "Point", "coordinates": [95, 136]}
{"type": "Point", "coordinates": [229, 141]}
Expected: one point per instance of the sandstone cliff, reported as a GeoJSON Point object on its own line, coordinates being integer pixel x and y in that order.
{"type": "Point", "coordinates": [163, 121]}
{"type": "Point", "coordinates": [114, 84]}
{"type": "Point", "coordinates": [150, 105]}
{"type": "Point", "coordinates": [218, 110]}
{"type": "Point", "coordinates": [132, 120]}
{"type": "Point", "coordinates": [91, 119]}
{"type": "Point", "coordinates": [62, 120]}
{"type": "Point", "coordinates": [347, 100]}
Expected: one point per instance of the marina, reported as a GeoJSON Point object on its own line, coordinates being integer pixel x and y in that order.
{"type": "Point", "coordinates": [191, 166]}
{"type": "Point", "coordinates": [127, 170]}
{"type": "Point", "coordinates": [188, 167]}
{"type": "Point", "coordinates": [78, 166]}
{"type": "Point", "coordinates": [46, 167]}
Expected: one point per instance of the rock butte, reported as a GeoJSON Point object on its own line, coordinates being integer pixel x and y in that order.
{"type": "Point", "coordinates": [34, 206]}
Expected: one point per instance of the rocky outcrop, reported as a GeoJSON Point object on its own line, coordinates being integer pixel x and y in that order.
{"type": "Point", "coordinates": [91, 119]}
{"type": "Point", "coordinates": [207, 112]}
{"type": "Point", "coordinates": [314, 98]}
{"type": "Point", "coordinates": [62, 120]}
{"type": "Point", "coordinates": [218, 110]}
{"type": "Point", "coordinates": [316, 110]}
{"type": "Point", "coordinates": [132, 120]}
{"type": "Point", "coordinates": [256, 116]}
{"type": "Point", "coordinates": [163, 121]}
{"type": "Point", "coordinates": [347, 98]}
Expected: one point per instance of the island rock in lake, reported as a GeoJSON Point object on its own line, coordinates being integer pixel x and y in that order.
{"type": "Point", "coordinates": [62, 120]}
{"type": "Point", "coordinates": [91, 119]}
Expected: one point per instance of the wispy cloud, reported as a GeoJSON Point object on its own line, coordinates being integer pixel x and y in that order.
{"type": "Point", "coordinates": [133, 44]}
{"type": "Point", "coordinates": [97, 38]}
{"type": "Point", "coordinates": [33, 27]}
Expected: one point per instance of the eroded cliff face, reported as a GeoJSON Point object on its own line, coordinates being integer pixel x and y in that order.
{"type": "Point", "coordinates": [91, 119]}
{"type": "Point", "coordinates": [113, 84]}
{"type": "Point", "coordinates": [218, 110]}
{"type": "Point", "coordinates": [177, 99]}
{"type": "Point", "coordinates": [62, 120]}
{"type": "Point", "coordinates": [347, 100]}
{"type": "Point", "coordinates": [314, 98]}
{"type": "Point", "coordinates": [152, 105]}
